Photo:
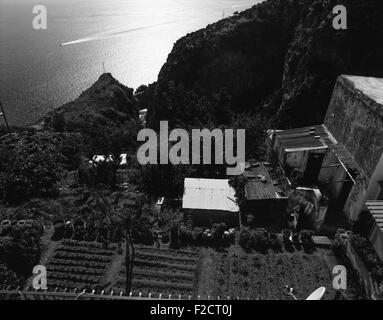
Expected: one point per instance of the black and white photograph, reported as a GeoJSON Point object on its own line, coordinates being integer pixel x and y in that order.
{"type": "Point", "coordinates": [191, 157]}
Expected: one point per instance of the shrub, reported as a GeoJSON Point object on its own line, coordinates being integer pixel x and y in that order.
{"type": "Point", "coordinates": [199, 236]}
{"type": "Point", "coordinates": [307, 240]}
{"type": "Point", "coordinates": [186, 236]}
{"type": "Point", "coordinates": [165, 238]}
{"type": "Point", "coordinates": [368, 255]}
{"type": "Point", "coordinates": [218, 231]}
{"type": "Point", "coordinates": [22, 252]}
{"type": "Point", "coordinates": [275, 243]}
{"type": "Point", "coordinates": [259, 240]}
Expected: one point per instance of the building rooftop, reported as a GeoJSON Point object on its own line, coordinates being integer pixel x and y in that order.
{"type": "Point", "coordinates": [260, 185]}
{"type": "Point", "coordinates": [372, 87]}
{"type": "Point", "coordinates": [376, 209]}
{"type": "Point", "coordinates": [305, 138]}
{"type": "Point", "coordinates": [209, 194]}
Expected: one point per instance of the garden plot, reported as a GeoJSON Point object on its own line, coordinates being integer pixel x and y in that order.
{"type": "Point", "coordinates": [263, 276]}
{"type": "Point", "coordinates": [79, 264]}
{"type": "Point", "coordinates": [161, 271]}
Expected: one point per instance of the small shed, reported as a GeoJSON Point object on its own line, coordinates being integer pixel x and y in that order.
{"type": "Point", "coordinates": [265, 198]}
{"type": "Point", "coordinates": [209, 201]}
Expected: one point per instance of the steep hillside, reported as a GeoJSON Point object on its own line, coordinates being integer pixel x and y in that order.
{"type": "Point", "coordinates": [105, 105]}
{"type": "Point", "coordinates": [280, 58]}
{"type": "Point", "coordinates": [232, 64]}
{"type": "Point", "coordinates": [319, 54]}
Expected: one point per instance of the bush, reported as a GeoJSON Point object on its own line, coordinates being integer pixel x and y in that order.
{"type": "Point", "coordinates": [275, 243]}
{"type": "Point", "coordinates": [181, 236]}
{"type": "Point", "coordinates": [368, 255]}
{"type": "Point", "coordinates": [199, 236]}
{"type": "Point", "coordinates": [307, 240]}
{"type": "Point", "coordinates": [165, 238]}
{"type": "Point", "coordinates": [259, 240]}
{"type": "Point", "coordinates": [186, 236]}
{"type": "Point", "coordinates": [22, 252]}
{"type": "Point", "coordinates": [8, 277]}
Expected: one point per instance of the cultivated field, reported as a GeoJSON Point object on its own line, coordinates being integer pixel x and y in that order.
{"type": "Point", "coordinates": [78, 264]}
{"type": "Point", "coordinates": [257, 276]}
{"type": "Point", "coordinates": [161, 271]}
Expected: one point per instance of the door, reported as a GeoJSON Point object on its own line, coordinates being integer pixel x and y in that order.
{"type": "Point", "coordinates": [313, 167]}
{"type": "Point", "coordinates": [346, 189]}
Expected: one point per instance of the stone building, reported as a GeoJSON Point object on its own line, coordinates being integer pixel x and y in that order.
{"type": "Point", "coordinates": [344, 155]}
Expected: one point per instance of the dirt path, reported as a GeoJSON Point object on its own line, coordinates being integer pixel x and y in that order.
{"type": "Point", "coordinates": [48, 247]}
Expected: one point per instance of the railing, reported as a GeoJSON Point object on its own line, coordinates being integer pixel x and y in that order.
{"type": "Point", "coordinates": [30, 294]}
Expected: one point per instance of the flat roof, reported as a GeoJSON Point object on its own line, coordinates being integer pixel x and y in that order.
{"type": "Point", "coordinates": [209, 194]}
{"type": "Point", "coordinates": [260, 185]}
{"type": "Point", "coordinates": [376, 209]}
{"type": "Point", "coordinates": [305, 138]}
{"type": "Point", "coordinates": [370, 86]}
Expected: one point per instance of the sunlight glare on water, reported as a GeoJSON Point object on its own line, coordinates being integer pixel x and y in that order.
{"type": "Point", "coordinates": [131, 37]}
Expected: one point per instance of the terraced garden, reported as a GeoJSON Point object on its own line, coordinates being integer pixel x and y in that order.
{"type": "Point", "coordinates": [78, 264]}
{"type": "Point", "coordinates": [161, 271]}
{"type": "Point", "coordinates": [264, 276]}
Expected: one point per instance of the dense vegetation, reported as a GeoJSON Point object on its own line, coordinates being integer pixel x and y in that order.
{"type": "Point", "coordinates": [31, 166]}
{"type": "Point", "coordinates": [18, 255]}
{"type": "Point", "coordinates": [368, 255]}
{"type": "Point", "coordinates": [278, 60]}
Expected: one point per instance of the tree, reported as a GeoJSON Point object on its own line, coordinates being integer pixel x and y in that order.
{"type": "Point", "coordinates": [32, 167]}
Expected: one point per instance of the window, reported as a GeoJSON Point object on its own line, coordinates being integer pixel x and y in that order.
{"type": "Point", "coordinates": [380, 194]}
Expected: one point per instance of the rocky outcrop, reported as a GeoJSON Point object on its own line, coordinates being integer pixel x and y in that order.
{"type": "Point", "coordinates": [105, 105]}
{"type": "Point", "coordinates": [233, 64]}
{"type": "Point", "coordinates": [281, 58]}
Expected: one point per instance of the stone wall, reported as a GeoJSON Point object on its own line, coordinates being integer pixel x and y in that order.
{"type": "Point", "coordinates": [355, 118]}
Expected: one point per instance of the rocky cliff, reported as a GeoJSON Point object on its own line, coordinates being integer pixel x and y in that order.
{"type": "Point", "coordinates": [106, 104]}
{"type": "Point", "coordinates": [281, 58]}
{"type": "Point", "coordinates": [318, 54]}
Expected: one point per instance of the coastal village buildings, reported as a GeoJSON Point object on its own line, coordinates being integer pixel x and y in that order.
{"type": "Point", "coordinates": [344, 155]}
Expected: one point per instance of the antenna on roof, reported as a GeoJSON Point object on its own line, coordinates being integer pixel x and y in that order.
{"type": "Point", "coordinates": [2, 114]}
{"type": "Point", "coordinates": [103, 67]}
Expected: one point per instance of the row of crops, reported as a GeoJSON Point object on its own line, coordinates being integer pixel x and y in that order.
{"type": "Point", "coordinates": [161, 271]}
{"type": "Point", "coordinates": [264, 277]}
{"type": "Point", "coordinates": [79, 264]}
